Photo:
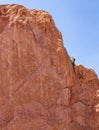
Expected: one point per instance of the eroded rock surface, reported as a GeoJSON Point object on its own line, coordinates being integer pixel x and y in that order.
{"type": "Point", "coordinates": [39, 87]}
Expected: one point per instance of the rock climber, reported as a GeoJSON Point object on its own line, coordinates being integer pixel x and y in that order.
{"type": "Point", "coordinates": [73, 60]}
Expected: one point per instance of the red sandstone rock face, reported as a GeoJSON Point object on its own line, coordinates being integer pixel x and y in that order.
{"type": "Point", "coordinates": [84, 99]}
{"type": "Point", "coordinates": [39, 88]}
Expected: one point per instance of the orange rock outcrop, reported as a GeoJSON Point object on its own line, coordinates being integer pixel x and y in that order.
{"type": "Point", "coordinates": [39, 87]}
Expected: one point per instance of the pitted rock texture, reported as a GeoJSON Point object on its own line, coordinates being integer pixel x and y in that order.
{"type": "Point", "coordinates": [40, 89]}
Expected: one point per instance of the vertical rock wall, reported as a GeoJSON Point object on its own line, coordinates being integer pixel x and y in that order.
{"type": "Point", "coordinates": [39, 87]}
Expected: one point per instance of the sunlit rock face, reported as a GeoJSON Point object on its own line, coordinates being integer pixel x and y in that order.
{"type": "Point", "coordinates": [40, 89]}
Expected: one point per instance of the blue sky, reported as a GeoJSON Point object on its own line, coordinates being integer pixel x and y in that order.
{"type": "Point", "coordinates": [78, 21]}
